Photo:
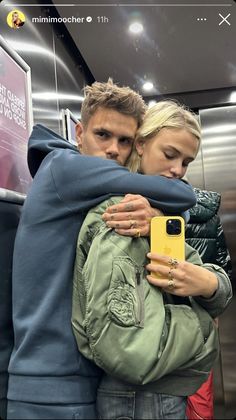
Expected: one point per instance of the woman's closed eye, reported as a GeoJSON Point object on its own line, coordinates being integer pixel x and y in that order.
{"type": "Point", "coordinates": [169, 155]}
{"type": "Point", "coordinates": [172, 156]}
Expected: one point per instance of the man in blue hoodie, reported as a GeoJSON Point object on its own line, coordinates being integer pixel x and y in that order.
{"type": "Point", "coordinates": [48, 377]}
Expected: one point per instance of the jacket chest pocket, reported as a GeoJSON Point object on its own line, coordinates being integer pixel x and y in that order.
{"type": "Point", "coordinates": [126, 293]}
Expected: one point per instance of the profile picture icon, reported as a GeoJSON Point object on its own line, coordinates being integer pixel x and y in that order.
{"type": "Point", "coordinates": [15, 19]}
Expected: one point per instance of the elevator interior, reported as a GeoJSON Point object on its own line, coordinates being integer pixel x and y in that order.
{"type": "Point", "coordinates": [190, 60]}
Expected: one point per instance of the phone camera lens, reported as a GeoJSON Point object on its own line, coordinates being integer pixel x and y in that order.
{"type": "Point", "coordinates": [173, 227]}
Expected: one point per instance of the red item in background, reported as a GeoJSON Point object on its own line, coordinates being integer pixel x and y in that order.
{"type": "Point", "coordinates": [200, 405]}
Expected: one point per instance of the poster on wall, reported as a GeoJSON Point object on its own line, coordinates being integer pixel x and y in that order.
{"type": "Point", "coordinates": [15, 122]}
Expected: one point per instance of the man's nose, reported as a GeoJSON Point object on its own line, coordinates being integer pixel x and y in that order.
{"type": "Point", "coordinates": [112, 149]}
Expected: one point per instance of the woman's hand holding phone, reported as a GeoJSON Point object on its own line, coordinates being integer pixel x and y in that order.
{"type": "Point", "coordinates": [189, 279]}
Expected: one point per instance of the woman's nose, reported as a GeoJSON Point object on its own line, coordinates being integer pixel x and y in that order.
{"type": "Point", "coordinates": [177, 170]}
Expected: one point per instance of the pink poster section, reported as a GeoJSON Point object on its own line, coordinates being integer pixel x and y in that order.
{"type": "Point", "coordinates": [14, 125]}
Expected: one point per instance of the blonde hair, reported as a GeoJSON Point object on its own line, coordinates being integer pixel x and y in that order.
{"type": "Point", "coordinates": [109, 95]}
{"type": "Point", "coordinates": [164, 114]}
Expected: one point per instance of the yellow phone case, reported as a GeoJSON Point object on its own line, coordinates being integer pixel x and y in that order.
{"type": "Point", "coordinates": [163, 243]}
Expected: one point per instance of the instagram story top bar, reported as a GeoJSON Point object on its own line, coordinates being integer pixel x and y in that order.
{"type": "Point", "coordinates": [123, 4]}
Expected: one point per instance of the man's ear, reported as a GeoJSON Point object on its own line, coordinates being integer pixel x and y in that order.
{"type": "Point", "coordinates": [79, 135]}
{"type": "Point", "coordinates": [140, 147]}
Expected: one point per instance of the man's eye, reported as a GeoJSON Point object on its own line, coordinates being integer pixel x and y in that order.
{"type": "Point", "coordinates": [102, 134]}
{"type": "Point", "coordinates": [126, 141]}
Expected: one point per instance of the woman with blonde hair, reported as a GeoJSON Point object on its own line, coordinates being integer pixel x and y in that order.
{"type": "Point", "coordinates": [16, 20]}
{"type": "Point", "coordinates": [156, 345]}
{"type": "Point", "coordinates": [163, 116]}
{"type": "Point", "coordinates": [166, 121]}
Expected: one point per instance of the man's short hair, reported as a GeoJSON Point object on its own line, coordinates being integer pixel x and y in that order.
{"type": "Point", "coordinates": [109, 95]}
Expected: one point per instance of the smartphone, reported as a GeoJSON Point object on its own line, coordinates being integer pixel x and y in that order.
{"type": "Point", "coordinates": [168, 238]}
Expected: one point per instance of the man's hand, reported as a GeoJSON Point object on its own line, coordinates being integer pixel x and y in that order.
{"type": "Point", "coordinates": [132, 216]}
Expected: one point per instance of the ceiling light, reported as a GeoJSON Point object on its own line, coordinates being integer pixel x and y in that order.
{"type": "Point", "coordinates": [151, 103]}
{"type": "Point", "coordinates": [148, 86]}
{"type": "Point", "coordinates": [136, 28]}
{"type": "Point", "coordinates": [233, 97]}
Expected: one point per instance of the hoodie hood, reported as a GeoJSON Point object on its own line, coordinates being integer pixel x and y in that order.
{"type": "Point", "coordinates": [208, 203]}
{"type": "Point", "coordinates": [41, 142]}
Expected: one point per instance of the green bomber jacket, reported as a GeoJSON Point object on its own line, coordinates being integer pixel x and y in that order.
{"type": "Point", "coordinates": [130, 328]}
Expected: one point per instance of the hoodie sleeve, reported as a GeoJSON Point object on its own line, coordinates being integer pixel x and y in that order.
{"type": "Point", "coordinates": [82, 181]}
{"type": "Point", "coordinates": [88, 178]}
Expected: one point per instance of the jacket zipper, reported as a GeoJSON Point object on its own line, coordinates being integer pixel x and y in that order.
{"type": "Point", "coordinates": [139, 289]}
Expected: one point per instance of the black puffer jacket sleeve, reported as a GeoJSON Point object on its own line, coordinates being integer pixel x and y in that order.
{"type": "Point", "coordinates": [204, 231]}
{"type": "Point", "coordinates": [222, 256]}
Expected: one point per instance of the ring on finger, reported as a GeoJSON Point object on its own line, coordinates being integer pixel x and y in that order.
{"type": "Point", "coordinates": [137, 234]}
{"type": "Point", "coordinates": [173, 263]}
{"type": "Point", "coordinates": [171, 284]}
{"type": "Point", "coordinates": [133, 223]}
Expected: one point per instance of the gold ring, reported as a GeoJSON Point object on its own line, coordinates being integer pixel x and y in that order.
{"type": "Point", "coordinates": [137, 234]}
{"type": "Point", "coordinates": [173, 263]}
{"type": "Point", "coordinates": [133, 223]}
{"type": "Point", "coordinates": [170, 275]}
{"type": "Point", "coordinates": [171, 284]}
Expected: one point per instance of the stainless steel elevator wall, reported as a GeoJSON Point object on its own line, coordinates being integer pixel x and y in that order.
{"type": "Point", "coordinates": [215, 169]}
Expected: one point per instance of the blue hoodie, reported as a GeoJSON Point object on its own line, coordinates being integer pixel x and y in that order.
{"type": "Point", "coordinates": [45, 365]}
